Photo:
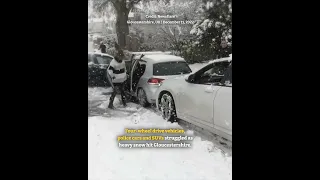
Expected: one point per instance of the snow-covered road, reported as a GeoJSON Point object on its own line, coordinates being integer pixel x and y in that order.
{"type": "Point", "coordinates": [203, 161]}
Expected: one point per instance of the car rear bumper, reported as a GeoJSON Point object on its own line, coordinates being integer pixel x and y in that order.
{"type": "Point", "coordinates": [151, 93]}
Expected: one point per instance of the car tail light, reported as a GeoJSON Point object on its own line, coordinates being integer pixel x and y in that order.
{"type": "Point", "coordinates": [155, 81]}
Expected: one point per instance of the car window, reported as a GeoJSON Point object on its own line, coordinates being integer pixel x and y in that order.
{"type": "Point", "coordinates": [139, 63]}
{"type": "Point", "coordinates": [171, 68]}
{"type": "Point", "coordinates": [213, 73]}
{"type": "Point", "coordinates": [143, 65]}
{"type": "Point", "coordinates": [227, 79]}
{"type": "Point", "coordinates": [142, 62]}
{"type": "Point", "coordinates": [128, 65]}
{"type": "Point", "coordinates": [137, 66]}
{"type": "Point", "coordinates": [220, 68]}
{"type": "Point", "coordinates": [140, 68]}
{"type": "Point", "coordinates": [103, 59]}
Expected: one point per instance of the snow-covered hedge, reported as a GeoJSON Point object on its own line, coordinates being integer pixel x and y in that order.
{"type": "Point", "coordinates": [212, 29]}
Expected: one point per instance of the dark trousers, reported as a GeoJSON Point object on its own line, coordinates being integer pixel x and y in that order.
{"type": "Point", "coordinates": [118, 87]}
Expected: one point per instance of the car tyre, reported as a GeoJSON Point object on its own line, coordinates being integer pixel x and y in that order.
{"type": "Point", "coordinates": [167, 108]}
{"type": "Point", "coordinates": [142, 98]}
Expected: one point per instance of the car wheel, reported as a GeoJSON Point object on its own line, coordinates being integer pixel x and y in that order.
{"type": "Point", "coordinates": [142, 98]}
{"type": "Point", "coordinates": [167, 107]}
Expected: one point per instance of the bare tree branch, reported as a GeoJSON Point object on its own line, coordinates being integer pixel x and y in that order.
{"type": "Point", "coordinates": [179, 31]}
{"type": "Point", "coordinates": [167, 37]}
{"type": "Point", "coordinates": [132, 3]}
{"type": "Point", "coordinates": [174, 33]}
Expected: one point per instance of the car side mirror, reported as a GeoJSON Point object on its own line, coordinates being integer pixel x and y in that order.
{"type": "Point", "coordinates": [190, 78]}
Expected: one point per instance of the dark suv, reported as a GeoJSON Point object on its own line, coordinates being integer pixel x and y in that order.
{"type": "Point", "coordinates": [97, 69]}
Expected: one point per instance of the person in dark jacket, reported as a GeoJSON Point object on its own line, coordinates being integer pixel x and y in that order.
{"type": "Point", "coordinates": [117, 72]}
{"type": "Point", "coordinates": [224, 50]}
{"type": "Point", "coordinates": [103, 48]}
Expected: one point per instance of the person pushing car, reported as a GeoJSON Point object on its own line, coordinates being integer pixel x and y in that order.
{"type": "Point", "coordinates": [117, 72]}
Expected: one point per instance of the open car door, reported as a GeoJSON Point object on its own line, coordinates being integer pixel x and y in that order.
{"type": "Point", "coordinates": [130, 66]}
{"type": "Point", "coordinates": [134, 64]}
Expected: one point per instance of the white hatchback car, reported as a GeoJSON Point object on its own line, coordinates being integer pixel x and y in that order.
{"type": "Point", "coordinates": [148, 70]}
{"type": "Point", "coordinates": [203, 98]}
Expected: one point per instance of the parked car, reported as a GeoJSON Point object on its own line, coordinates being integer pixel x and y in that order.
{"type": "Point", "coordinates": [97, 68]}
{"type": "Point", "coordinates": [146, 70]}
{"type": "Point", "coordinates": [203, 98]}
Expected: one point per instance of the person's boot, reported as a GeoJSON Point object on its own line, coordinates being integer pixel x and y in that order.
{"type": "Point", "coordinates": [111, 106]}
{"type": "Point", "coordinates": [124, 101]}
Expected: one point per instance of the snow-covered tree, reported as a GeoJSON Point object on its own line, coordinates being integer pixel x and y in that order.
{"type": "Point", "coordinates": [214, 27]}
{"type": "Point", "coordinates": [169, 37]}
{"type": "Point", "coordinates": [122, 9]}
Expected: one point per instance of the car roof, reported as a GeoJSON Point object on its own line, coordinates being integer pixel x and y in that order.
{"type": "Point", "coordinates": [101, 54]}
{"type": "Point", "coordinates": [156, 58]}
{"type": "Point", "coordinates": [149, 52]}
{"type": "Point", "coordinates": [226, 59]}
{"type": "Point", "coordinates": [137, 55]}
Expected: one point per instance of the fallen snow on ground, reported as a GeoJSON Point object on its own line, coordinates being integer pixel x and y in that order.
{"type": "Point", "coordinates": [107, 161]}
{"type": "Point", "coordinates": [97, 93]}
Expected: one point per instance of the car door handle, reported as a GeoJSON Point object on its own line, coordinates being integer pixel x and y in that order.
{"type": "Point", "coordinates": [209, 89]}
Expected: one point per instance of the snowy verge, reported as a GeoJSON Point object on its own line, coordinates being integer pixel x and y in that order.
{"type": "Point", "coordinates": [97, 93]}
{"type": "Point", "coordinates": [108, 161]}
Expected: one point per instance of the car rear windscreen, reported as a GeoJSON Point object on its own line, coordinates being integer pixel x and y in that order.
{"type": "Point", "coordinates": [171, 68]}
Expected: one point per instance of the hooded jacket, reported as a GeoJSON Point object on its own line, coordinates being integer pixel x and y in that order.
{"type": "Point", "coordinates": [117, 71]}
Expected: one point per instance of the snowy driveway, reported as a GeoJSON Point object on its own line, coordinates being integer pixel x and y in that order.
{"type": "Point", "coordinates": [109, 162]}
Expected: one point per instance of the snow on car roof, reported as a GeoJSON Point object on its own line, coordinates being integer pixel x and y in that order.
{"type": "Point", "coordinates": [162, 58]}
{"type": "Point", "coordinates": [137, 55]}
{"type": "Point", "coordinates": [150, 52]}
{"type": "Point", "coordinates": [102, 54]}
{"type": "Point", "coordinates": [222, 59]}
